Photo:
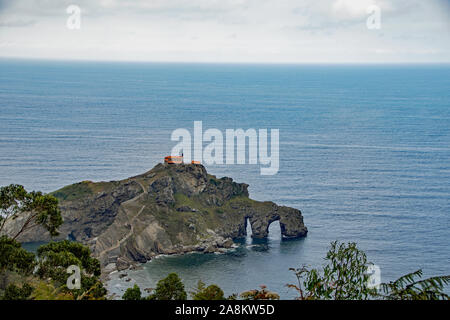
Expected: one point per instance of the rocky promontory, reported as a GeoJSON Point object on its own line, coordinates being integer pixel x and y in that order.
{"type": "Point", "coordinates": [173, 208]}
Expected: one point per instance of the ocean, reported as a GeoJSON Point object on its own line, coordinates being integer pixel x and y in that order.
{"type": "Point", "coordinates": [364, 152]}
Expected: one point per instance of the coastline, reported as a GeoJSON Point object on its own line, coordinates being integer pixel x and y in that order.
{"type": "Point", "coordinates": [117, 281]}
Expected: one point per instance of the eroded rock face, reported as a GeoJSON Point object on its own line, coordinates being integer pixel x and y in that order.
{"type": "Point", "coordinates": [87, 217]}
{"type": "Point", "coordinates": [170, 209]}
{"type": "Point", "coordinates": [291, 222]}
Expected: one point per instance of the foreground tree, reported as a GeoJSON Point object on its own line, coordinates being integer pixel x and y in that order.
{"type": "Point", "coordinates": [344, 277]}
{"type": "Point", "coordinates": [132, 293]}
{"type": "Point", "coordinates": [169, 288]}
{"type": "Point", "coordinates": [14, 292]}
{"type": "Point", "coordinates": [54, 258]}
{"type": "Point", "coordinates": [30, 208]}
{"type": "Point", "coordinates": [14, 262]}
{"type": "Point", "coordinates": [410, 287]}
{"type": "Point", "coordinates": [211, 292]}
{"type": "Point", "coordinates": [15, 258]}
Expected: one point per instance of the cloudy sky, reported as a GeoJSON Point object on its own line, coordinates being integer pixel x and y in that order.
{"type": "Point", "coordinates": [287, 31]}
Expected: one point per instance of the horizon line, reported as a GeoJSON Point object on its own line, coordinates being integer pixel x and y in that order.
{"type": "Point", "coordinates": [228, 62]}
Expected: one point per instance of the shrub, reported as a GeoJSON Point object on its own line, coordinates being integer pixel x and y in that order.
{"type": "Point", "coordinates": [170, 288]}
{"type": "Point", "coordinates": [132, 293]}
{"type": "Point", "coordinates": [211, 292]}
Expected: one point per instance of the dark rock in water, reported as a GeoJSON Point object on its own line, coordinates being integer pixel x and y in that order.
{"type": "Point", "coordinates": [210, 249]}
{"type": "Point", "coordinates": [228, 243]}
{"type": "Point", "coordinates": [133, 220]}
{"type": "Point", "coordinates": [122, 264]}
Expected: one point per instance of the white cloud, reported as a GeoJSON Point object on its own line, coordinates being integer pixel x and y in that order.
{"type": "Point", "coordinates": [227, 30]}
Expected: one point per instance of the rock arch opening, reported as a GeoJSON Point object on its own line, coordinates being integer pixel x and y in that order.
{"type": "Point", "coordinates": [274, 230]}
{"type": "Point", "coordinates": [289, 220]}
{"type": "Point", "coordinates": [248, 230]}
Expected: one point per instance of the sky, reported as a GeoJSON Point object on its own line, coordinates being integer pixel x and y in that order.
{"type": "Point", "coordinates": [257, 31]}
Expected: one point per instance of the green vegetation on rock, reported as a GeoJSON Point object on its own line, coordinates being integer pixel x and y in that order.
{"type": "Point", "coordinates": [81, 189]}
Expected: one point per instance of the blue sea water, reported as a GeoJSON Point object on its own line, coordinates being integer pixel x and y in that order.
{"type": "Point", "coordinates": [364, 152]}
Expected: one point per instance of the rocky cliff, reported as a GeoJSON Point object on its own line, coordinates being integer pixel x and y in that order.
{"type": "Point", "coordinates": [169, 209]}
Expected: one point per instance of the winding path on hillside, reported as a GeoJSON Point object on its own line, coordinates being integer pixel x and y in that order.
{"type": "Point", "coordinates": [130, 233]}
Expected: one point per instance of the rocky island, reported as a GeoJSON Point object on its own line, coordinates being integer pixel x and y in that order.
{"type": "Point", "coordinates": [173, 208]}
